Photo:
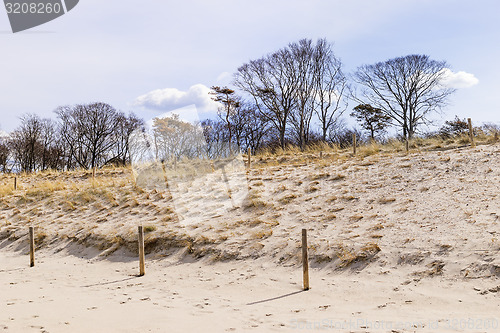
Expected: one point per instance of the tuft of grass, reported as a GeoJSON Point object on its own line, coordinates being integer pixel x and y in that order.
{"type": "Point", "coordinates": [377, 226]}
{"type": "Point", "coordinates": [149, 228]}
{"type": "Point", "coordinates": [254, 200]}
{"type": "Point", "coordinates": [263, 234]}
{"type": "Point", "coordinates": [287, 198]}
{"type": "Point", "coordinates": [355, 218]}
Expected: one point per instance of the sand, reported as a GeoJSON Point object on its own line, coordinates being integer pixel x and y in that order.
{"type": "Point", "coordinates": [397, 243]}
{"type": "Point", "coordinates": [63, 293]}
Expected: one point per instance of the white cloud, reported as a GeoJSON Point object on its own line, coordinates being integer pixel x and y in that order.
{"type": "Point", "coordinates": [169, 99]}
{"type": "Point", "coordinates": [459, 79]}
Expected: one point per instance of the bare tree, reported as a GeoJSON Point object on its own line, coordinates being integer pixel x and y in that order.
{"type": "Point", "coordinates": [302, 54]}
{"type": "Point", "coordinates": [88, 131]}
{"type": "Point", "coordinates": [175, 138]}
{"type": "Point", "coordinates": [216, 136]}
{"type": "Point", "coordinates": [407, 89]}
{"type": "Point", "coordinates": [271, 81]}
{"type": "Point", "coordinates": [26, 143]}
{"type": "Point", "coordinates": [4, 155]}
{"type": "Point", "coordinates": [49, 145]}
{"type": "Point", "coordinates": [126, 126]}
{"type": "Point", "coordinates": [331, 86]}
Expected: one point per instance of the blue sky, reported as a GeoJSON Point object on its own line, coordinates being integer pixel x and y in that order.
{"type": "Point", "coordinates": [153, 56]}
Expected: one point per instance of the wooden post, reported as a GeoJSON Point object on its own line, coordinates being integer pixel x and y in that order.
{"type": "Point", "coordinates": [321, 155]}
{"type": "Point", "coordinates": [249, 157]}
{"type": "Point", "coordinates": [305, 262]}
{"type": "Point", "coordinates": [407, 145]}
{"type": "Point", "coordinates": [354, 143]}
{"type": "Point", "coordinates": [32, 246]}
{"type": "Point", "coordinates": [141, 251]}
{"type": "Point", "coordinates": [471, 133]}
{"type": "Point", "coordinates": [15, 183]}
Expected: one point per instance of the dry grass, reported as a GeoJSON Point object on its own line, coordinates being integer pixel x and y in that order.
{"type": "Point", "coordinates": [287, 199]}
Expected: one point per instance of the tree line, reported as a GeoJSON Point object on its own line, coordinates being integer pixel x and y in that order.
{"type": "Point", "coordinates": [83, 136]}
{"type": "Point", "coordinates": [295, 95]}
{"type": "Point", "coordinates": [299, 93]}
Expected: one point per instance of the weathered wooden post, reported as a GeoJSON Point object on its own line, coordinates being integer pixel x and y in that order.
{"type": "Point", "coordinates": [321, 155]}
{"type": "Point", "coordinates": [32, 246]}
{"type": "Point", "coordinates": [407, 144]}
{"type": "Point", "coordinates": [354, 143]}
{"type": "Point", "coordinates": [142, 270]}
{"type": "Point", "coordinates": [305, 262]}
{"type": "Point", "coordinates": [471, 132]}
{"type": "Point", "coordinates": [15, 183]}
{"type": "Point", "coordinates": [249, 157]}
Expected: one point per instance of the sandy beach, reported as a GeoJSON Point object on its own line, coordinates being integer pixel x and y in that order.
{"type": "Point", "coordinates": [397, 243]}
{"type": "Point", "coordinates": [63, 293]}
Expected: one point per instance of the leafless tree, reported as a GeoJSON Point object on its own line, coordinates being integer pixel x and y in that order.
{"type": "Point", "coordinates": [26, 143]}
{"type": "Point", "coordinates": [126, 126]}
{"type": "Point", "coordinates": [175, 138]}
{"type": "Point", "coordinates": [88, 131]}
{"type": "Point", "coordinates": [330, 85]}
{"type": "Point", "coordinates": [407, 89]}
{"type": "Point", "coordinates": [4, 155]}
{"type": "Point", "coordinates": [272, 83]}
{"type": "Point", "coordinates": [304, 72]}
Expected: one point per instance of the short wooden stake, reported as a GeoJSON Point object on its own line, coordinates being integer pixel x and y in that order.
{"type": "Point", "coordinates": [321, 155]}
{"type": "Point", "coordinates": [249, 157]}
{"type": "Point", "coordinates": [354, 143]}
{"type": "Point", "coordinates": [141, 252]}
{"type": "Point", "coordinates": [305, 262]}
{"type": "Point", "coordinates": [32, 246]}
{"type": "Point", "coordinates": [471, 133]}
{"type": "Point", "coordinates": [15, 183]}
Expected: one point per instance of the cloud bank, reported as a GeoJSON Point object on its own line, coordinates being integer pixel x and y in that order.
{"type": "Point", "coordinates": [458, 80]}
{"type": "Point", "coordinates": [171, 98]}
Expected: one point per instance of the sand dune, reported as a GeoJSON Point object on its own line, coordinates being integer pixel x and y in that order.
{"type": "Point", "coordinates": [395, 241]}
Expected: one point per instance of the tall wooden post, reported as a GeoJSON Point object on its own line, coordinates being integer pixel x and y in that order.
{"type": "Point", "coordinates": [32, 246]}
{"type": "Point", "coordinates": [15, 183]}
{"type": "Point", "coordinates": [249, 157]}
{"type": "Point", "coordinates": [305, 262]}
{"type": "Point", "coordinates": [471, 133]}
{"type": "Point", "coordinates": [141, 252]}
{"type": "Point", "coordinates": [407, 144]}
{"type": "Point", "coordinates": [354, 143]}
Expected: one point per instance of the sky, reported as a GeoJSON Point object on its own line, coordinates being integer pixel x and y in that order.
{"type": "Point", "coordinates": [150, 56]}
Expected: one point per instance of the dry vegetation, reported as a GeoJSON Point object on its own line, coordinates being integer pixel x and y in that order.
{"type": "Point", "coordinates": [359, 209]}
